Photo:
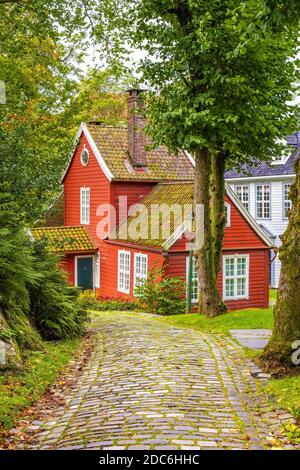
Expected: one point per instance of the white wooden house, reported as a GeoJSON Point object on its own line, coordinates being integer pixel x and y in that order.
{"type": "Point", "coordinates": [264, 190]}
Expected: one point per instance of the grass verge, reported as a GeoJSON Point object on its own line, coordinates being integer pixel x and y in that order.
{"type": "Point", "coordinates": [19, 390]}
{"type": "Point", "coordinates": [273, 295]}
{"type": "Point", "coordinates": [286, 394]}
{"type": "Point", "coordinates": [250, 318]}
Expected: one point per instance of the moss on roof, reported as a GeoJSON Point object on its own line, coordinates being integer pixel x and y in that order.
{"type": "Point", "coordinates": [155, 230]}
{"type": "Point", "coordinates": [112, 143]}
{"type": "Point", "coordinates": [64, 239]}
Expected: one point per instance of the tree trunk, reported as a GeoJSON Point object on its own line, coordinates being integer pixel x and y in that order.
{"type": "Point", "coordinates": [217, 196]}
{"type": "Point", "coordinates": [217, 211]}
{"type": "Point", "coordinates": [287, 309]}
{"type": "Point", "coordinates": [211, 303]}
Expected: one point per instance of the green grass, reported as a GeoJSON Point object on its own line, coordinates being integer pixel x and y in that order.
{"type": "Point", "coordinates": [273, 295]}
{"type": "Point", "coordinates": [19, 390]}
{"type": "Point", "coordinates": [286, 393]}
{"type": "Point", "coordinates": [250, 318]}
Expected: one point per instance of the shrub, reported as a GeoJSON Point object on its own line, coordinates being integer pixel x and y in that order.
{"type": "Point", "coordinates": [53, 302]}
{"type": "Point", "coordinates": [88, 300]}
{"type": "Point", "coordinates": [165, 296]}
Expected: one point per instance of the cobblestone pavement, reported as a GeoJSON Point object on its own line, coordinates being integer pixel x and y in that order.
{"type": "Point", "coordinates": [149, 385]}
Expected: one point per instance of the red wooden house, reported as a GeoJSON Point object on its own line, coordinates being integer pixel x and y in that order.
{"type": "Point", "coordinates": [110, 238]}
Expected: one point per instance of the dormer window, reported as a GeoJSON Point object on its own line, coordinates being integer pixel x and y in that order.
{"type": "Point", "coordinates": [282, 158]}
{"type": "Point", "coordinates": [279, 160]}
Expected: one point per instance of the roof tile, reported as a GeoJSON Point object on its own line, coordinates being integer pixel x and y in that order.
{"type": "Point", "coordinates": [64, 239]}
{"type": "Point", "coordinates": [112, 143]}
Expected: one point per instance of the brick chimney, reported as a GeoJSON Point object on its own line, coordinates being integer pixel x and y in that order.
{"type": "Point", "coordinates": [136, 124]}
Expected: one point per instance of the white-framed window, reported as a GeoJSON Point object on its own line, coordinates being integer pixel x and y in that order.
{"type": "Point", "coordinates": [242, 192]}
{"type": "Point", "coordinates": [227, 214]}
{"type": "Point", "coordinates": [124, 271]}
{"type": "Point", "coordinates": [235, 277]}
{"type": "Point", "coordinates": [85, 206]}
{"type": "Point", "coordinates": [286, 203]}
{"type": "Point", "coordinates": [195, 280]}
{"type": "Point", "coordinates": [263, 201]}
{"type": "Point", "coordinates": [140, 268]}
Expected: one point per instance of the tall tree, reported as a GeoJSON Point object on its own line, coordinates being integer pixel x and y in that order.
{"type": "Point", "coordinates": [101, 97]}
{"type": "Point", "coordinates": [221, 75]}
{"type": "Point", "coordinates": [287, 308]}
{"type": "Point", "coordinates": [41, 44]}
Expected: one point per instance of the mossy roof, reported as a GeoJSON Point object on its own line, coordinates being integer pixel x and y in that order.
{"type": "Point", "coordinates": [112, 143]}
{"type": "Point", "coordinates": [65, 239]}
{"type": "Point", "coordinates": [161, 226]}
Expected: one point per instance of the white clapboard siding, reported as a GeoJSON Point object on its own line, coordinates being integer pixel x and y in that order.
{"type": "Point", "coordinates": [276, 224]}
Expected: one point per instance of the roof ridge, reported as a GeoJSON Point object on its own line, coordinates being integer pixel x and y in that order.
{"type": "Point", "coordinates": [103, 125]}
{"type": "Point", "coordinates": [57, 227]}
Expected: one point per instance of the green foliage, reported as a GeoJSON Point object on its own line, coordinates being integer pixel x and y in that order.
{"type": "Point", "coordinates": [15, 257]}
{"type": "Point", "coordinates": [41, 46]}
{"type": "Point", "coordinates": [33, 290]}
{"type": "Point", "coordinates": [163, 296]}
{"type": "Point", "coordinates": [101, 97]}
{"type": "Point", "coordinates": [22, 330]}
{"type": "Point", "coordinates": [221, 73]}
{"type": "Point", "coordinates": [88, 301]}
{"type": "Point", "coordinates": [52, 301]}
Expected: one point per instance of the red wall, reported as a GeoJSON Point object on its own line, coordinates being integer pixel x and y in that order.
{"type": "Point", "coordinates": [67, 264]}
{"type": "Point", "coordinates": [240, 234]}
{"type": "Point", "coordinates": [92, 177]}
{"type": "Point", "coordinates": [102, 191]}
{"type": "Point", "coordinates": [109, 269]}
{"type": "Point", "coordinates": [258, 276]}
{"type": "Point", "coordinates": [135, 192]}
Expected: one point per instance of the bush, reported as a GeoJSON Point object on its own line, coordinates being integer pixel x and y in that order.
{"type": "Point", "coordinates": [164, 297]}
{"type": "Point", "coordinates": [88, 300]}
{"type": "Point", "coordinates": [53, 303]}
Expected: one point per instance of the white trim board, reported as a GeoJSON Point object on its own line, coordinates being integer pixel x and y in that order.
{"type": "Point", "coordinates": [249, 179]}
{"type": "Point", "coordinates": [83, 129]}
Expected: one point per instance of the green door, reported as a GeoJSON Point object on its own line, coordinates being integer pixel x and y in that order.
{"type": "Point", "coordinates": [85, 272]}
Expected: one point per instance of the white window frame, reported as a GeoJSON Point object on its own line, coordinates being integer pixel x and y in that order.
{"type": "Point", "coordinates": [124, 271]}
{"type": "Point", "coordinates": [84, 206]}
{"type": "Point", "coordinates": [235, 277]}
{"type": "Point", "coordinates": [284, 201]}
{"type": "Point", "coordinates": [227, 214]}
{"type": "Point", "coordinates": [246, 203]}
{"type": "Point", "coordinates": [142, 276]}
{"type": "Point", "coordinates": [194, 300]}
{"type": "Point", "coordinates": [263, 201]}
{"type": "Point", "coordinates": [279, 160]}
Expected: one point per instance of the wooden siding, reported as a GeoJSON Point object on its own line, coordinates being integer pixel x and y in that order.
{"type": "Point", "coordinates": [258, 276]}
{"type": "Point", "coordinates": [92, 177]}
{"type": "Point", "coordinates": [133, 191]}
{"type": "Point", "coordinates": [109, 269]}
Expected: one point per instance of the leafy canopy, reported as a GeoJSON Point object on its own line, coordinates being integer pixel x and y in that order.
{"type": "Point", "coordinates": [221, 72]}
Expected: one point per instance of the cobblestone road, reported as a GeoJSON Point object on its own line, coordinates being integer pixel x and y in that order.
{"type": "Point", "coordinates": [149, 385]}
